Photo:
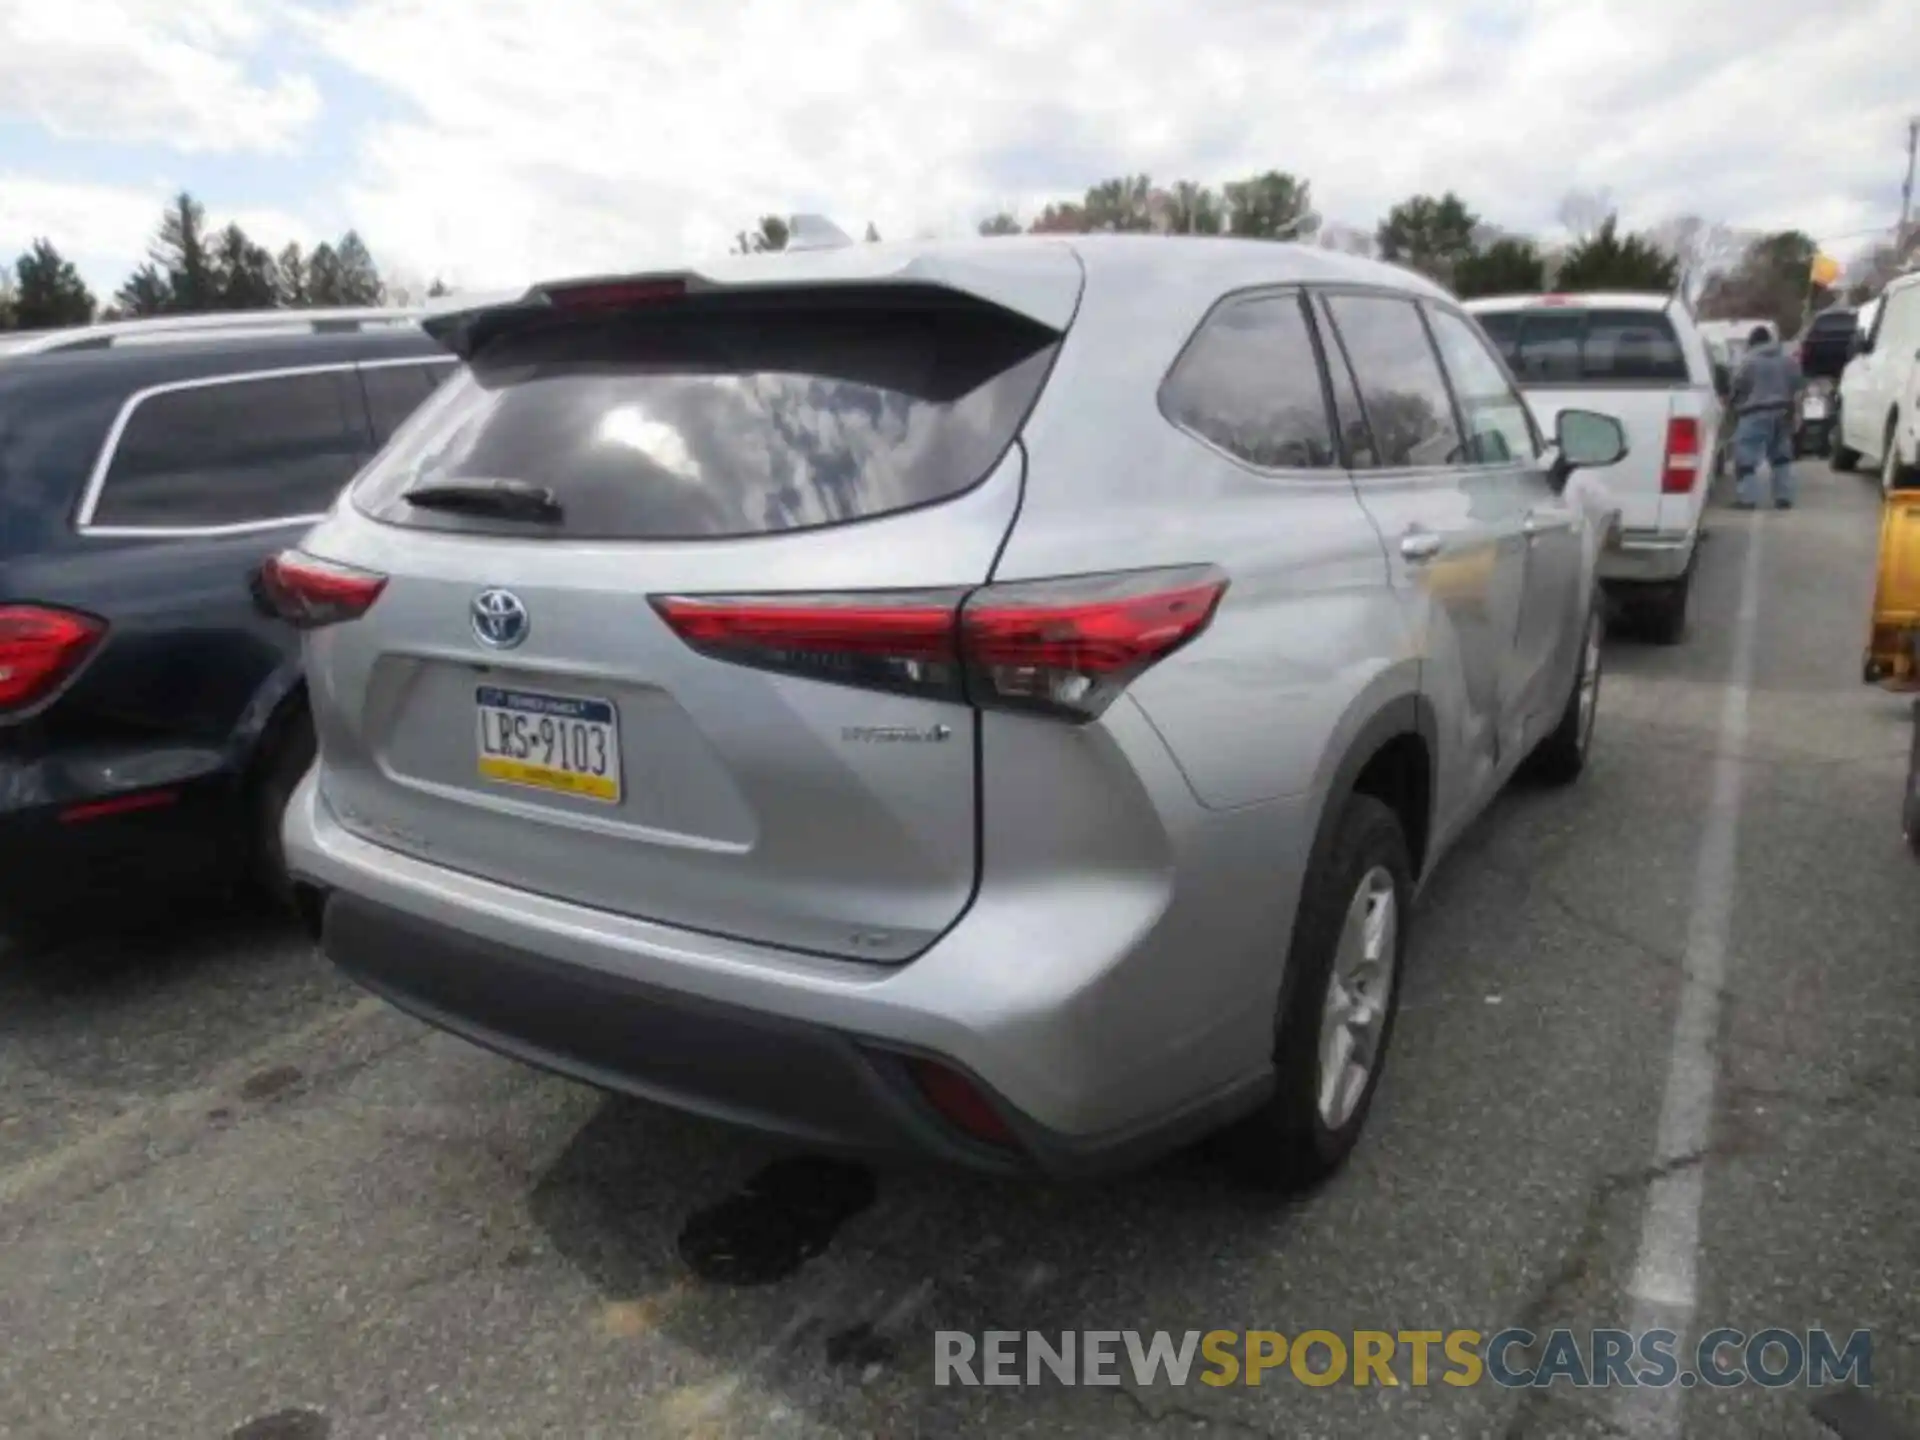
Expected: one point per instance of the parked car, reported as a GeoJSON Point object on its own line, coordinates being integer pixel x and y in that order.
{"type": "Point", "coordinates": [1825, 346]}
{"type": "Point", "coordinates": [1813, 424]}
{"type": "Point", "coordinates": [1641, 358]}
{"type": "Point", "coordinates": [152, 718]}
{"type": "Point", "coordinates": [1880, 391]}
{"type": "Point", "coordinates": [951, 696]}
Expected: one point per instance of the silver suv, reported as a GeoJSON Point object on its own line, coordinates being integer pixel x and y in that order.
{"type": "Point", "coordinates": [994, 698]}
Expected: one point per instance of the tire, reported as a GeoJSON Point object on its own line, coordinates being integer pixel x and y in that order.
{"type": "Point", "coordinates": [1842, 459]}
{"type": "Point", "coordinates": [1559, 759]}
{"type": "Point", "coordinates": [286, 753]}
{"type": "Point", "coordinates": [1893, 475]}
{"type": "Point", "coordinates": [1910, 808]}
{"type": "Point", "coordinates": [1292, 1142]}
{"type": "Point", "coordinates": [1910, 812]}
{"type": "Point", "coordinates": [1663, 610]}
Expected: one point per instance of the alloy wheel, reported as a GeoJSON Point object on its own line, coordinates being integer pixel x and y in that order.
{"type": "Point", "coordinates": [1589, 699]}
{"type": "Point", "coordinates": [1358, 993]}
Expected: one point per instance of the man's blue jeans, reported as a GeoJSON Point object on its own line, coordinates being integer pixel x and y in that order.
{"type": "Point", "coordinates": [1763, 435]}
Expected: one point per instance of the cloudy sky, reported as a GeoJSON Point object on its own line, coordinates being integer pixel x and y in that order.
{"type": "Point", "coordinates": [496, 141]}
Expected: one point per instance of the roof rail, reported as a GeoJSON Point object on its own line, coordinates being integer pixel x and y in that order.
{"type": "Point", "coordinates": [164, 328]}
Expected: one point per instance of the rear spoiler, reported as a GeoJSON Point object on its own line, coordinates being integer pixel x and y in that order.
{"type": "Point", "coordinates": [1039, 280]}
{"type": "Point", "coordinates": [466, 332]}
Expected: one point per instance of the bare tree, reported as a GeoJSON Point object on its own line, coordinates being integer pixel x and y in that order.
{"type": "Point", "coordinates": [1869, 273]}
{"type": "Point", "coordinates": [1703, 248]}
{"type": "Point", "coordinates": [1582, 212]}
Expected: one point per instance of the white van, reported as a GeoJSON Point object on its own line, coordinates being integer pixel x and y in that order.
{"type": "Point", "coordinates": [1880, 390]}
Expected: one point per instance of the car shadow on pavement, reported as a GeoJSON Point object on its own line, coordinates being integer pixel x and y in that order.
{"type": "Point", "coordinates": [103, 944]}
{"type": "Point", "coordinates": [141, 1002]}
{"type": "Point", "coordinates": [817, 1278]}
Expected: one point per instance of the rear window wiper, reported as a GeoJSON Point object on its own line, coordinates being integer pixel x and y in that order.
{"type": "Point", "coordinates": [509, 499]}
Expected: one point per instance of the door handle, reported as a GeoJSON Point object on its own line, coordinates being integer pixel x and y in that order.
{"type": "Point", "coordinates": [1418, 545]}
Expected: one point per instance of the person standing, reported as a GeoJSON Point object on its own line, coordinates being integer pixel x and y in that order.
{"type": "Point", "coordinates": [1765, 389]}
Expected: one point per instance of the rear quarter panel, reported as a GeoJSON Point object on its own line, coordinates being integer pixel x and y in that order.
{"type": "Point", "coordinates": [1309, 624]}
{"type": "Point", "coordinates": [1253, 718]}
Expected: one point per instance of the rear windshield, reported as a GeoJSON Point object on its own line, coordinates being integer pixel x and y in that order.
{"type": "Point", "coordinates": [726, 416]}
{"type": "Point", "coordinates": [1568, 345]}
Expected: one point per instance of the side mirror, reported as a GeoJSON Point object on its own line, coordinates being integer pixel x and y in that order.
{"type": "Point", "coordinates": [1586, 440]}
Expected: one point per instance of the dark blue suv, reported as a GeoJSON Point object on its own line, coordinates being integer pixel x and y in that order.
{"type": "Point", "coordinates": [152, 718]}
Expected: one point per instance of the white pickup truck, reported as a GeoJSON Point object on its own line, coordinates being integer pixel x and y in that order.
{"type": "Point", "coordinates": [1642, 359]}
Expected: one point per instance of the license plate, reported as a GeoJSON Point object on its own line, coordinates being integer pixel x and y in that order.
{"type": "Point", "coordinates": [1814, 408]}
{"type": "Point", "coordinates": [564, 744]}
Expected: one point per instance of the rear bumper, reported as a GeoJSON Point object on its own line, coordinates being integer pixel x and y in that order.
{"type": "Point", "coordinates": [1648, 556]}
{"type": "Point", "coordinates": [808, 1047]}
{"type": "Point", "coordinates": [722, 1061]}
{"type": "Point", "coordinates": [120, 845]}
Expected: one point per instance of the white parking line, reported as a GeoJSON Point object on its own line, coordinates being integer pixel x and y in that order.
{"type": "Point", "coordinates": [1664, 1288]}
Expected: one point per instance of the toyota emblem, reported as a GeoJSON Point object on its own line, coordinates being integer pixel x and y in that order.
{"type": "Point", "coordinates": [499, 619]}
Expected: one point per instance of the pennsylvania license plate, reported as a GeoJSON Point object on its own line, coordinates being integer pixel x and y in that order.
{"type": "Point", "coordinates": [564, 744]}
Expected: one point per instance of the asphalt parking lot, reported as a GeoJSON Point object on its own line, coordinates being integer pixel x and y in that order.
{"type": "Point", "coordinates": [237, 1198]}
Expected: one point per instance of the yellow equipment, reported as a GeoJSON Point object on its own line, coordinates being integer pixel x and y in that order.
{"type": "Point", "coordinates": [1893, 644]}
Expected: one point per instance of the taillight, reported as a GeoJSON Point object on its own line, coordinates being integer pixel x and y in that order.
{"type": "Point", "coordinates": [308, 592]}
{"type": "Point", "coordinates": [890, 640]}
{"type": "Point", "coordinates": [1682, 465]}
{"type": "Point", "coordinates": [1064, 647]}
{"type": "Point", "coordinates": [1070, 646]}
{"type": "Point", "coordinates": [39, 648]}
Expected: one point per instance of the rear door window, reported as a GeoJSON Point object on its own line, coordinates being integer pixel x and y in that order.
{"type": "Point", "coordinates": [1499, 431]}
{"type": "Point", "coordinates": [234, 451]}
{"type": "Point", "coordinates": [395, 391]}
{"type": "Point", "coordinates": [1575, 345]}
{"type": "Point", "coordinates": [1347, 410]}
{"type": "Point", "coordinates": [1249, 382]}
{"type": "Point", "coordinates": [725, 416]}
{"type": "Point", "coordinates": [1409, 410]}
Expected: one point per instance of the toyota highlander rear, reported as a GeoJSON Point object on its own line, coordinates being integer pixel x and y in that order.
{"type": "Point", "coordinates": [665, 635]}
